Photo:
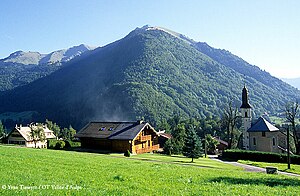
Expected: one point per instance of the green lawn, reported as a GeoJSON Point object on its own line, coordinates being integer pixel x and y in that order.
{"type": "Point", "coordinates": [181, 160]}
{"type": "Point", "coordinates": [50, 172]}
{"type": "Point", "coordinates": [281, 166]}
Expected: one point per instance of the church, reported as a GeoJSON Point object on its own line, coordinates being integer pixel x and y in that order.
{"type": "Point", "coordinates": [262, 135]}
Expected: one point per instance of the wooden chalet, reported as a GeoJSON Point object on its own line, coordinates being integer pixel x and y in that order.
{"type": "Point", "coordinates": [137, 137]}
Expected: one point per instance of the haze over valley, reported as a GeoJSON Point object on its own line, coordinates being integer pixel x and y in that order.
{"type": "Point", "coordinates": [152, 73]}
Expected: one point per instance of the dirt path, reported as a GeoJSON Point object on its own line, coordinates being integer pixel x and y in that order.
{"type": "Point", "coordinates": [251, 168]}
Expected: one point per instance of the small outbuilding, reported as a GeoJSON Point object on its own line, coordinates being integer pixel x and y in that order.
{"type": "Point", "coordinates": [163, 138]}
{"type": "Point", "coordinates": [137, 137]}
{"type": "Point", "coordinates": [222, 145]}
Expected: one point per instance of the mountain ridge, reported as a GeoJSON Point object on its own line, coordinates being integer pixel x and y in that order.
{"type": "Point", "coordinates": [21, 68]}
{"type": "Point", "coordinates": [292, 81]}
{"type": "Point", "coordinates": [36, 58]}
{"type": "Point", "coordinates": [148, 74]}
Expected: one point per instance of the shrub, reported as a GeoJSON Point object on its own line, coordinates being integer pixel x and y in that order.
{"type": "Point", "coordinates": [51, 143]}
{"type": "Point", "coordinates": [67, 144]}
{"type": "Point", "coordinates": [74, 143]}
{"type": "Point", "coordinates": [59, 145]}
{"type": "Point", "coordinates": [127, 153]}
{"type": "Point", "coordinates": [236, 155]}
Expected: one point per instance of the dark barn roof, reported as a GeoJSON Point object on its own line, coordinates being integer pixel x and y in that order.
{"type": "Point", "coordinates": [262, 125]}
{"type": "Point", "coordinates": [165, 135]}
{"type": "Point", "coordinates": [112, 130]}
{"type": "Point", "coordinates": [221, 141]}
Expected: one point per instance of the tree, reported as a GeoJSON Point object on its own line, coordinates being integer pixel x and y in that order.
{"type": "Point", "coordinates": [53, 127]}
{"type": "Point", "coordinates": [192, 145]}
{"type": "Point", "coordinates": [67, 133]}
{"type": "Point", "coordinates": [168, 147]}
{"type": "Point", "coordinates": [291, 112]}
{"type": "Point", "coordinates": [37, 133]}
{"type": "Point", "coordinates": [164, 125]}
{"type": "Point", "coordinates": [178, 135]}
{"type": "Point", "coordinates": [72, 132]}
{"type": "Point", "coordinates": [229, 120]}
{"type": "Point", "coordinates": [2, 131]}
{"type": "Point", "coordinates": [211, 144]}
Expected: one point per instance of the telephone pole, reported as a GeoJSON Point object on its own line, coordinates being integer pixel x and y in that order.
{"type": "Point", "coordinates": [288, 147]}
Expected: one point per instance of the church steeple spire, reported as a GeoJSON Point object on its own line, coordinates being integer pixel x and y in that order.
{"type": "Point", "coordinates": [246, 118]}
{"type": "Point", "coordinates": [245, 103]}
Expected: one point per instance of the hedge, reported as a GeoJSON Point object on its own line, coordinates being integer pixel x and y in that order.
{"type": "Point", "coordinates": [52, 144]}
{"type": "Point", "coordinates": [236, 155]}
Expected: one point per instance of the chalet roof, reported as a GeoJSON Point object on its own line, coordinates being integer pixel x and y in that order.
{"type": "Point", "coordinates": [112, 130]}
{"type": "Point", "coordinates": [24, 131]}
{"type": "Point", "coordinates": [262, 125]}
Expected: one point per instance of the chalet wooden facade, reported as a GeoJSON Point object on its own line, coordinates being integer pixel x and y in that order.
{"type": "Point", "coordinates": [137, 137]}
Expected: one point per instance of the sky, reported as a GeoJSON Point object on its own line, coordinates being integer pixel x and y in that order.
{"type": "Point", "coordinates": [265, 33]}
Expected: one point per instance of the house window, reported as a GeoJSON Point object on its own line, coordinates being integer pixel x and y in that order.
{"type": "Point", "coordinates": [254, 141]}
{"type": "Point", "coordinates": [263, 134]}
{"type": "Point", "coordinates": [274, 141]}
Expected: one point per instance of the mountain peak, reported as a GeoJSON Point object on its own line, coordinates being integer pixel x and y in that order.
{"type": "Point", "coordinates": [148, 73]}
{"type": "Point", "coordinates": [36, 58]}
{"type": "Point", "coordinates": [82, 47]}
{"type": "Point", "coordinates": [17, 53]}
{"type": "Point", "coordinates": [173, 33]}
{"type": "Point", "coordinates": [22, 57]}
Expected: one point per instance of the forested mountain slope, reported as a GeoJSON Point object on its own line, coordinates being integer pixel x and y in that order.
{"type": "Point", "coordinates": [150, 73]}
{"type": "Point", "coordinates": [21, 68]}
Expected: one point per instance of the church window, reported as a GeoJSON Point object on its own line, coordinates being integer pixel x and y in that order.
{"type": "Point", "coordinates": [254, 141]}
{"type": "Point", "coordinates": [246, 114]}
{"type": "Point", "coordinates": [274, 142]}
{"type": "Point", "coordinates": [263, 134]}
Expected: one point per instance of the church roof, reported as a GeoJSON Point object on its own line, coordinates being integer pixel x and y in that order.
{"type": "Point", "coordinates": [262, 125]}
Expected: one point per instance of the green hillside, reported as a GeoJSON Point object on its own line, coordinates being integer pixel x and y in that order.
{"type": "Point", "coordinates": [22, 68]}
{"type": "Point", "coordinates": [149, 73]}
{"type": "Point", "coordinates": [13, 75]}
{"type": "Point", "coordinates": [263, 87]}
{"type": "Point", "coordinates": [26, 171]}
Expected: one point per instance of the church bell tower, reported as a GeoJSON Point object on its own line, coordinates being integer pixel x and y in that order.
{"type": "Point", "coordinates": [246, 118]}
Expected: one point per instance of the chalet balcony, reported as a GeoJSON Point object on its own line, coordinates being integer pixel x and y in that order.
{"type": "Point", "coordinates": [147, 149]}
{"type": "Point", "coordinates": [144, 138]}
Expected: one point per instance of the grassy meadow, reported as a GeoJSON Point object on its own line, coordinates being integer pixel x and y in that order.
{"type": "Point", "coordinates": [26, 171]}
{"type": "Point", "coordinates": [281, 166]}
